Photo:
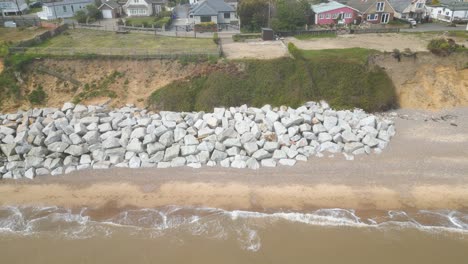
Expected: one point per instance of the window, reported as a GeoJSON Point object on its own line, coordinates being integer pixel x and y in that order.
{"type": "Point", "coordinates": [419, 5]}
{"type": "Point", "coordinates": [371, 17]}
{"type": "Point", "coordinates": [73, 9]}
{"type": "Point", "coordinates": [65, 9]}
{"type": "Point", "coordinates": [321, 16]}
{"type": "Point", "coordinates": [380, 6]}
{"type": "Point", "coordinates": [335, 16]}
{"type": "Point", "coordinates": [328, 16]}
{"type": "Point", "coordinates": [205, 19]}
{"type": "Point", "coordinates": [348, 15]}
{"type": "Point", "coordinates": [227, 15]}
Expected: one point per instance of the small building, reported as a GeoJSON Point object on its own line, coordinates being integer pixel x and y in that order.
{"type": "Point", "coordinates": [110, 9]}
{"type": "Point", "coordinates": [449, 11]}
{"type": "Point", "coordinates": [63, 9]}
{"type": "Point", "coordinates": [333, 13]}
{"type": "Point", "coordinates": [373, 11]}
{"type": "Point", "coordinates": [143, 7]}
{"type": "Point", "coordinates": [13, 7]}
{"type": "Point", "coordinates": [268, 34]}
{"type": "Point", "coordinates": [404, 9]}
{"type": "Point", "coordinates": [216, 11]}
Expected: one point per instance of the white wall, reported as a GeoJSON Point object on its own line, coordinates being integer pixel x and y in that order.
{"type": "Point", "coordinates": [445, 14]}
{"type": "Point", "coordinates": [61, 10]}
{"type": "Point", "coordinates": [10, 6]}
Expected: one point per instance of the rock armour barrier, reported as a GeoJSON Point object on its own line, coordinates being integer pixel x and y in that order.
{"type": "Point", "coordinates": [77, 137]}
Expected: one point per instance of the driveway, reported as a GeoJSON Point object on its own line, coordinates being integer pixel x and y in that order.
{"type": "Point", "coordinates": [181, 11]}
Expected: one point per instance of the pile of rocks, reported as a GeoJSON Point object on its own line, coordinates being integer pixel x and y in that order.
{"type": "Point", "coordinates": [76, 137]}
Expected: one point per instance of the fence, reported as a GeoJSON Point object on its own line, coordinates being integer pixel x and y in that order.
{"type": "Point", "coordinates": [21, 21]}
{"type": "Point", "coordinates": [375, 30]}
{"type": "Point", "coordinates": [117, 28]}
{"type": "Point", "coordinates": [42, 37]}
{"type": "Point", "coordinates": [308, 32]}
{"type": "Point", "coordinates": [118, 52]}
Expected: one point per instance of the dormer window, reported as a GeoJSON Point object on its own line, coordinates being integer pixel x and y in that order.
{"type": "Point", "coordinates": [380, 6]}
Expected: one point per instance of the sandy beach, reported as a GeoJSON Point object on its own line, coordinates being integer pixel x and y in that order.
{"type": "Point", "coordinates": [424, 167]}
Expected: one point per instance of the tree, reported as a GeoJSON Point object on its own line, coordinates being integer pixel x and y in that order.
{"type": "Point", "coordinates": [253, 14]}
{"type": "Point", "coordinates": [93, 13]}
{"type": "Point", "coordinates": [81, 16]}
{"type": "Point", "coordinates": [291, 14]}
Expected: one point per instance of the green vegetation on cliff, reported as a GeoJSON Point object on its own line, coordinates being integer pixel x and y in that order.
{"type": "Point", "coordinates": [342, 77]}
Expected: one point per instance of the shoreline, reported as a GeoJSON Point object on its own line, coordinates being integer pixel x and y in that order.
{"type": "Point", "coordinates": [424, 167]}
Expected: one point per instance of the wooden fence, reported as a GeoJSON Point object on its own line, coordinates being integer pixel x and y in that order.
{"type": "Point", "coordinates": [42, 37]}
{"type": "Point", "coordinates": [21, 21]}
{"type": "Point", "coordinates": [375, 30]}
{"type": "Point", "coordinates": [307, 32]}
{"type": "Point", "coordinates": [117, 28]}
{"type": "Point", "coordinates": [118, 52]}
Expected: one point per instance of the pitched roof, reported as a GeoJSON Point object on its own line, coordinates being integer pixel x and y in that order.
{"type": "Point", "coordinates": [400, 5]}
{"type": "Point", "coordinates": [111, 3]}
{"type": "Point", "coordinates": [67, 2]}
{"type": "Point", "coordinates": [324, 7]}
{"type": "Point", "coordinates": [361, 5]}
{"type": "Point", "coordinates": [210, 7]}
{"type": "Point", "coordinates": [454, 5]}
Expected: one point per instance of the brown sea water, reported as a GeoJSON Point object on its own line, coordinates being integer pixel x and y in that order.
{"type": "Point", "coordinates": [207, 235]}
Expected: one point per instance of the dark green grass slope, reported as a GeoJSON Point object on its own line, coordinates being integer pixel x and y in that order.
{"type": "Point", "coordinates": [341, 77]}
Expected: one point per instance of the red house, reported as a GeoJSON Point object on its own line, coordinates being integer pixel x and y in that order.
{"type": "Point", "coordinates": [333, 13]}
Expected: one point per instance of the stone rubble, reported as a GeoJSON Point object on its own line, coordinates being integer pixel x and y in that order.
{"type": "Point", "coordinates": [77, 137]}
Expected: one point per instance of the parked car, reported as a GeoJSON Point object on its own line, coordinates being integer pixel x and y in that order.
{"type": "Point", "coordinates": [35, 5]}
{"type": "Point", "coordinates": [412, 22]}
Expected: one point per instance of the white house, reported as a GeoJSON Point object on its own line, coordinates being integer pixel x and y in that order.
{"type": "Point", "coordinates": [13, 7]}
{"type": "Point", "coordinates": [405, 9]}
{"type": "Point", "coordinates": [449, 10]}
{"type": "Point", "coordinates": [63, 9]}
{"type": "Point", "coordinates": [143, 7]}
{"type": "Point", "coordinates": [216, 11]}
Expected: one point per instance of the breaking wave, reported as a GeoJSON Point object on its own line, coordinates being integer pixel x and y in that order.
{"type": "Point", "coordinates": [244, 226]}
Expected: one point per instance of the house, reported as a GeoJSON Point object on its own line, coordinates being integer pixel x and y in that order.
{"type": "Point", "coordinates": [13, 7]}
{"type": "Point", "coordinates": [110, 9]}
{"type": "Point", "coordinates": [373, 11]}
{"type": "Point", "coordinates": [62, 9]}
{"type": "Point", "coordinates": [449, 10]}
{"type": "Point", "coordinates": [216, 11]}
{"type": "Point", "coordinates": [404, 9]}
{"type": "Point", "coordinates": [144, 7]}
{"type": "Point", "coordinates": [333, 12]}
{"type": "Point", "coordinates": [233, 3]}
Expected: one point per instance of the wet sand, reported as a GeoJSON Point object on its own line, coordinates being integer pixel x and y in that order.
{"type": "Point", "coordinates": [425, 166]}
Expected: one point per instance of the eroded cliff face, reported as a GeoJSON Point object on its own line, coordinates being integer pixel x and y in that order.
{"type": "Point", "coordinates": [116, 82]}
{"type": "Point", "coordinates": [428, 81]}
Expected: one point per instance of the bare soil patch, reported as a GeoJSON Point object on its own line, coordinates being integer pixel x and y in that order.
{"type": "Point", "coordinates": [381, 42]}
{"type": "Point", "coordinates": [428, 81]}
{"type": "Point", "coordinates": [138, 79]}
{"type": "Point", "coordinates": [255, 50]}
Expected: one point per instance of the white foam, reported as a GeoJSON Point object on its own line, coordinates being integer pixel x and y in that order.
{"type": "Point", "coordinates": [212, 223]}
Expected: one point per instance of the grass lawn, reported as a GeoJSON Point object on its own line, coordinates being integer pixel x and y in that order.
{"type": "Point", "coordinates": [357, 55]}
{"type": "Point", "coordinates": [314, 36]}
{"type": "Point", "coordinates": [140, 20]}
{"type": "Point", "coordinates": [95, 41]}
{"type": "Point", "coordinates": [9, 36]}
{"type": "Point", "coordinates": [17, 34]}
{"type": "Point", "coordinates": [35, 10]}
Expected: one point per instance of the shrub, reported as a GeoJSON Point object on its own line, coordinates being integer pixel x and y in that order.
{"type": "Point", "coordinates": [294, 51]}
{"type": "Point", "coordinates": [339, 76]}
{"type": "Point", "coordinates": [442, 47]}
{"type": "Point", "coordinates": [164, 21]}
{"type": "Point", "coordinates": [216, 38]}
{"type": "Point", "coordinates": [81, 16]}
{"type": "Point", "coordinates": [206, 27]}
{"type": "Point", "coordinates": [243, 37]}
{"type": "Point", "coordinates": [37, 96]}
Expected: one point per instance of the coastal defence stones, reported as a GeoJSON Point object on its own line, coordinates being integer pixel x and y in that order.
{"type": "Point", "coordinates": [76, 137]}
